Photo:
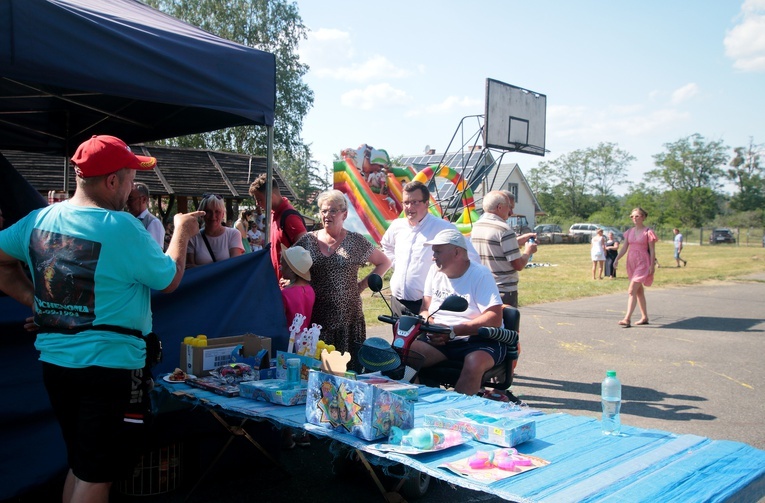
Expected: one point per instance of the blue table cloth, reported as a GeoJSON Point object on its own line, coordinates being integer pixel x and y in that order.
{"type": "Point", "coordinates": [585, 465]}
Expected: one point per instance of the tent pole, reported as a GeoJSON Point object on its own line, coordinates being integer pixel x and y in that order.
{"type": "Point", "coordinates": [269, 182]}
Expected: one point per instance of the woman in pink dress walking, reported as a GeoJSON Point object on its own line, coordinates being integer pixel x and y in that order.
{"type": "Point", "coordinates": [640, 242]}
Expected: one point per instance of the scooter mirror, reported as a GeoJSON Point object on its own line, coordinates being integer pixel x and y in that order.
{"type": "Point", "coordinates": [375, 283]}
{"type": "Point", "coordinates": [454, 303]}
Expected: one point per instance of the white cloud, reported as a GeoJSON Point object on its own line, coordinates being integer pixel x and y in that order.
{"type": "Point", "coordinates": [325, 48]}
{"type": "Point", "coordinates": [589, 127]}
{"type": "Point", "coordinates": [685, 93]}
{"type": "Point", "coordinates": [745, 43]}
{"type": "Point", "coordinates": [330, 54]}
{"type": "Point", "coordinates": [375, 96]}
{"type": "Point", "coordinates": [375, 68]}
{"type": "Point", "coordinates": [451, 103]}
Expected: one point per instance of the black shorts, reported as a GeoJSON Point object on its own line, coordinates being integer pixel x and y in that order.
{"type": "Point", "coordinates": [457, 350]}
{"type": "Point", "coordinates": [90, 406]}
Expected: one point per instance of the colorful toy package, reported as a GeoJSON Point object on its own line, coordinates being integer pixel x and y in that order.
{"type": "Point", "coordinates": [488, 427]}
{"type": "Point", "coordinates": [274, 391]}
{"type": "Point", "coordinates": [349, 406]}
{"type": "Point", "coordinates": [306, 363]}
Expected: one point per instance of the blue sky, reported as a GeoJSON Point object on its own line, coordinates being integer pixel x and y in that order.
{"type": "Point", "coordinates": [399, 75]}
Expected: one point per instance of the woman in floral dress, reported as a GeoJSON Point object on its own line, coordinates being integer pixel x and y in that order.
{"type": "Point", "coordinates": [640, 265]}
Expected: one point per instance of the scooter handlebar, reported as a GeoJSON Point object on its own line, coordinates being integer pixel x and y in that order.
{"type": "Point", "coordinates": [390, 320]}
{"type": "Point", "coordinates": [435, 329]}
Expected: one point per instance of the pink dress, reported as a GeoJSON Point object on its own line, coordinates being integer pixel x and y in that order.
{"type": "Point", "coordinates": [638, 256]}
{"type": "Point", "coordinates": [298, 299]}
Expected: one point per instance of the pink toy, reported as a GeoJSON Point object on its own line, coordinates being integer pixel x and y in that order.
{"type": "Point", "coordinates": [505, 459]}
{"type": "Point", "coordinates": [481, 460]}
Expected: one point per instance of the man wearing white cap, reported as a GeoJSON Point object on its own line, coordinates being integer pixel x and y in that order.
{"type": "Point", "coordinates": [93, 267]}
{"type": "Point", "coordinates": [454, 273]}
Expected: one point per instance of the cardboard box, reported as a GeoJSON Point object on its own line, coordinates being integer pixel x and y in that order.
{"type": "Point", "coordinates": [497, 429]}
{"type": "Point", "coordinates": [274, 391]}
{"type": "Point", "coordinates": [349, 406]}
{"type": "Point", "coordinates": [306, 364]}
{"type": "Point", "coordinates": [201, 360]}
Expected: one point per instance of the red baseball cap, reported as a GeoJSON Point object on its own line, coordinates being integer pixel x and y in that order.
{"type": "Point", "coordinates": [103, 155]}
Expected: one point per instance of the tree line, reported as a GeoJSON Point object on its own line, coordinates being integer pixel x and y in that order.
{"type": "Point", "coordinates": [684, 189]}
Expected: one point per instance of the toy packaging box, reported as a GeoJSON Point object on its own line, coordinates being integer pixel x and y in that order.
{"type": "Point", "coordinates": [486, 427]}
{"type": "Point", "coordinates": [306, 364]}
{"type": "Point", "coordinates": [273, 390]}
{"type": "Point", "coordinates": [200, 360]}
{"type": "Point", "coordinates": [408, 391]}
{"type": "Point", "coordinates": [350, 406]}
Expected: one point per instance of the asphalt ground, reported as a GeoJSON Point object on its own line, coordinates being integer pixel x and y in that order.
{"type": "Point", "coordinates": [697, 368]}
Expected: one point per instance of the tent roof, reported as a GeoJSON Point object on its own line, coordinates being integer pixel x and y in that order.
{"type": "Point", "coordinates": [179, 171]}
{"type": "Point", "coordinates": [73, 68]}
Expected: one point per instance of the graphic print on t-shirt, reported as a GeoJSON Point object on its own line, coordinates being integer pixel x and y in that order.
{"type": "Point", "coordinates": [64, 269]}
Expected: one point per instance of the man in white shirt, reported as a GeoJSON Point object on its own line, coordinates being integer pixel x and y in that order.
{"type": "Point", "coordinates": [405, 244]}
{"type": "Point", "coordinates": [138, 206]}
{"type": "Point", "coordinates": [455, 274]}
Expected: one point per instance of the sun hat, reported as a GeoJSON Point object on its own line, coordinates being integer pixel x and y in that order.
{"type": "Point", "coordinates": [299, 260]}
{"type": "Point", "coordinates": [104, 154]}
{"type": "Point", "coordinates": [449, 237]}
{"type": "Point", "coordinates": [377, 355]}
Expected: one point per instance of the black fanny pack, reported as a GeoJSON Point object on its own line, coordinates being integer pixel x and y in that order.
{"type": "Point", "coordinates": [153, 344]}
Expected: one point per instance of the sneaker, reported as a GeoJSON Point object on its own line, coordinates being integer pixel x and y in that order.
{"type": "Point", "coordinates": [303, 440]}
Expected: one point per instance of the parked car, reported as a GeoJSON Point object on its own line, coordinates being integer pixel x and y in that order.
{"type": "Point", "coordinates": [539, 229]}
{"type": "Point", "coordinates": [721, 236]}
{"type": "Point", "coordinates": [586, 229]}
{"type": "Point", "coordinates": [549, 234]}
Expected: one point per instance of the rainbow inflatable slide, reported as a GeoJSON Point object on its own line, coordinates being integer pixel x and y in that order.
{"type": "Point", "coordinates": [374, 189]}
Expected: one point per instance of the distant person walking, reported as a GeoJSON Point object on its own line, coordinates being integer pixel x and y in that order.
{"type": "Point", "coordinates": [640, 241]}
{"type": "Point", "coordinates": [612, 250]}
{"type": "Point", "coordinates": [679, 247]}
{"type": "Point", "coordinates": [598, 253]}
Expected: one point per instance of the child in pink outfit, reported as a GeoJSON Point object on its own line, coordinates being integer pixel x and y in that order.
{"type": "Point", "coordinates": [298, 298]}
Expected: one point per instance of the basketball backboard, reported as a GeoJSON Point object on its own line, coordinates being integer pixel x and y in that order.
{"type": "Point", "coordinates": [515, 119]}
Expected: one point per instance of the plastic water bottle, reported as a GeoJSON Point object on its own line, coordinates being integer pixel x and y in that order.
{"type": "Point", "coordinates": [532, 241]}
{"type": "Point", "coordinates": [611, 398]}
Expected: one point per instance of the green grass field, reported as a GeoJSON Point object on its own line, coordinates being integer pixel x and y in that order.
{"type": "Point", "coordinates": [569, 275]}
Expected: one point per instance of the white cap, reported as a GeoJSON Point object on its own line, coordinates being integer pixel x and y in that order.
{"type": "Point", "coordinates": [449, 237]}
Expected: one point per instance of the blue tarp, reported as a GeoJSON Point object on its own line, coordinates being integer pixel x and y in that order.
{"type": "Point", "coordinates": [231, 297]}
{"type": "Point", "coordinates": [73, 68]}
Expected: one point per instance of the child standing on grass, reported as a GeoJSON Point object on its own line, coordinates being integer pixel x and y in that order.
{"type": "Point", "coordinates": [298, 298]}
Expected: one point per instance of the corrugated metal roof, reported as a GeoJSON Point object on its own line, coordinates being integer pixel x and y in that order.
{"type": "Point", "coordinates": [180, 172]}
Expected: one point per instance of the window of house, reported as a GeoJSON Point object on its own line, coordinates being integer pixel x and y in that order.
{"type": "Point", "coordinates": [513, 188]}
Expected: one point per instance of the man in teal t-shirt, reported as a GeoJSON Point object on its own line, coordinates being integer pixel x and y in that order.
{"type": "Point", "coordinates": [92, 269]}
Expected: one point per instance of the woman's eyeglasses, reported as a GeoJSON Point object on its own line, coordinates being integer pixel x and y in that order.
{"type": "Point", "coordinates": [332, 212]}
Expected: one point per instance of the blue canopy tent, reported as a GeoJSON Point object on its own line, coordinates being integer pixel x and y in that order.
{"type": "Point", "coordinates": [70, 69]}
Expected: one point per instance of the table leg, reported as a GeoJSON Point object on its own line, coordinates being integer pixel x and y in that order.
{"type": "Point", "coordinates": [235, 431]}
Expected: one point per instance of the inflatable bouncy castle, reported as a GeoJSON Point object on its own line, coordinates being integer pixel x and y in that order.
{"type": "Point", "coordinates": [374, 189]}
